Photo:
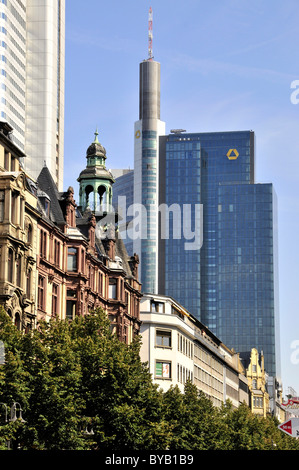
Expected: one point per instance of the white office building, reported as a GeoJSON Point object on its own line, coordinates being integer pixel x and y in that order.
{"type": "Point", "coordinates": [32, 56]}
{"type": "Point", "coordinates": [178, 347]}
{"type": "Point", "coordinates": [146, 173]}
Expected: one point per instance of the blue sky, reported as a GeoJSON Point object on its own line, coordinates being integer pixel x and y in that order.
{"type": "Point", "coordinates": [225, 65]}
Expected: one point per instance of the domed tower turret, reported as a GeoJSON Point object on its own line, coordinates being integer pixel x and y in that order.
{"type": "Point", "coordinates": [96, 181]}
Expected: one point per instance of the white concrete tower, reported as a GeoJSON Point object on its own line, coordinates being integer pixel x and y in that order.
{"type": "Point", "coordinates": [146, 169]}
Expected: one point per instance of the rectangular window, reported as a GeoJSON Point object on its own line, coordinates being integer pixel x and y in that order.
{"type": "Point", "coordinates": [56, 253]}
{"type": "Point", "coordinates": [18, 270]}
{"type": "Point", "coordinates": [71, 301]}
{"type": "Point", "coordinates": [72, 256]}
{"type": "Point", "coordinates": [41, 293]}
{"type": "Point", "coordinates": [163, 338]}
{"type": "Point", "coordinates": [258, 402]}
{"type": "Point", "coordinates": [91, 277]}
{"type": "Point", "coordinates": [70, 309]}
{"type": "Point", "coordinates": [112, 289]}
{"type": "Point", "coordinates": [6, 160]}
{"type": "Point", "coordinates": [1, 206]}
{"type": "Point", "coordinates": [28, 283]}
{"type": "Point", "coordinates": [100, 283]}
{"type": "Point", "coordinates": [55, 299]}
{"type": "Point", "coordinates": [12, 164]}
{"type": "Point", "coordinates": [43, 243]}
{"type": "Point", "coordinates": [163, 369]}
{"type": "Point", "coordinates": [158, 307]}
{"type": "Point", "coordinates": [14, 209]}
{"type": "Point", "coordinates": [10, 265]}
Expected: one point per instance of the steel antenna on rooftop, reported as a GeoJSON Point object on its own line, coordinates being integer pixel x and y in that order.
{"type": "Point", "coordinates": [150, 34]}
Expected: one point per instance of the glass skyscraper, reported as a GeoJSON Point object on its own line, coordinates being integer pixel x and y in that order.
{"type": "Point", "coordinates": [122, 199]}
{"type": "Point", "coordinates": [230, 283]}
{"type": "Point", "coordinates": [32, 76]}
{"type": "Point", "coordinates": [229, 279]}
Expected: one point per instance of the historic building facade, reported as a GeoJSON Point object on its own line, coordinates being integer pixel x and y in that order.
{"type": "Point", "coordinates": [257, 382]}
{"type": "Point", "coordinates": [59, 259]}
{"type": "Point", "coordinates": [18, 234]}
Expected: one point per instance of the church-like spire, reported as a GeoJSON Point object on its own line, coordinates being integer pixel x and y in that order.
{"type": "Point", "coordinates": [96, 141]}
{"type": "Point", "coordinates": [95, 180]}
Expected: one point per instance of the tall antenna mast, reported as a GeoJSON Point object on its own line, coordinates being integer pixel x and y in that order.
{"type": "Point", "coordinates": [150, 34]}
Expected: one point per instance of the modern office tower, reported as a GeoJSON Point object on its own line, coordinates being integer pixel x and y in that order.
{"type": "Point", "coordinates": [122, 200]}
{"type": "Point", "coordinates": [230, 283]}
{"type": "Point", "coordinates": [208, 230]}
{"type": "Point", "coordinates": [146, 168]}
{"type": "Point", "coordinates": [32, 50]}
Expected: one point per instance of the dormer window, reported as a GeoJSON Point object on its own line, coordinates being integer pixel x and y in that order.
{"type": "Point", "coordinates": [47, 206]}
{"type": "Point", "coordinates": [45, 202]}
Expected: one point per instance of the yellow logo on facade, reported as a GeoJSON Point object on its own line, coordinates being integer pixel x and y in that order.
{"type": "Point", "coordinates": [232, 154]}
{"type": "Point", "coordinates": [137, 134]}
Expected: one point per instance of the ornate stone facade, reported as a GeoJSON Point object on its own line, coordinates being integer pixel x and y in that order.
{"type": "Point", "coordinates": [18, 234]}
{"type": "Point", "coordinates": [257, 382]}
{"type": "Point", "coordinates": [58, 260]}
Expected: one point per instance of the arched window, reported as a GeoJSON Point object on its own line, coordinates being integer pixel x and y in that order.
{"type": "Point", "coordinates": [29, 233]}
{"type": "Point", "coordinates": [18, 321]}
{"type": "Point", "coordinates": [102, 197]}
{"type": "Point", "coordinates": [89, 199]}
{"type": "Point", "coordinates": [14, 208]}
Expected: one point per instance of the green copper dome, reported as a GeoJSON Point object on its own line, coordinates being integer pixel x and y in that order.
{"type": "Point", "coordinates": [96, 180]}
{"type": "Point", "coordinates": [96, 149]}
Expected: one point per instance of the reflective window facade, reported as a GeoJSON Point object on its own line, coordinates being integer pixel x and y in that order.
{"type": "Point", "coordinates": [124, 188]}
{"type": "Point", "coordinates": [246, 254]}
{"type": "Point", "coordinates": [149, 201]}
{"type": "Point", "coordinates": [32, 55]}
{"type": "Point", "coordinates": [182, 186]}
{"type": "Point", "coordinates": [229, 284]}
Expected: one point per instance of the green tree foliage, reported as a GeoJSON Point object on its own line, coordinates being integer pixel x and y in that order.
{"type": "Point", "coordinates": [73, 377]}
{"type": "Point", "coordinates": [80, 388]}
